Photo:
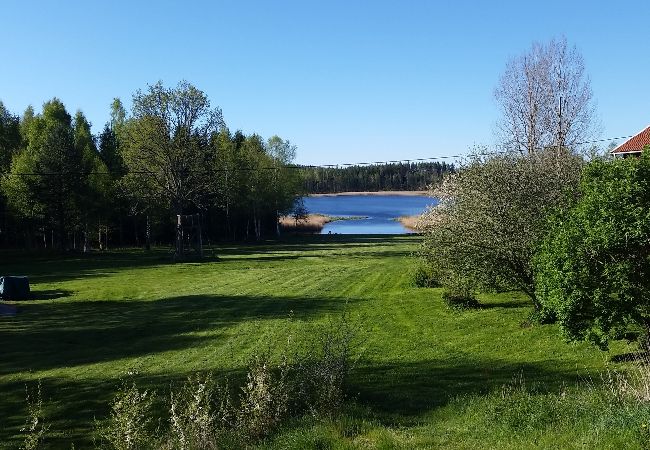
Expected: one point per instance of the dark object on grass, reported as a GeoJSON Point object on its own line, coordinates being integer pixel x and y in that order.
{"type": "Point", "coordinates": [460, 300]}
{"type": "Point", "coordinates": [14, 288]}
{"type": "Point", "coordinates": [424, 277]}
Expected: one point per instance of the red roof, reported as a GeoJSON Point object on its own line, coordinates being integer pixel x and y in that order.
{"type": "Point", "coordinates": [635, 143]}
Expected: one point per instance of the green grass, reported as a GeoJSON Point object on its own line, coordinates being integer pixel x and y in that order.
{"type": "Point", "coordinates": [427, 376]}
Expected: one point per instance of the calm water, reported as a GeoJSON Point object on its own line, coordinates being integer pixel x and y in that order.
{"type": "Point", "coordinates": [379, 210]}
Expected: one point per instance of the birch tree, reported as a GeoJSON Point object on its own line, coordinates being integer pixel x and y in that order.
{"type": "Point", "coordinates": [545, 100]}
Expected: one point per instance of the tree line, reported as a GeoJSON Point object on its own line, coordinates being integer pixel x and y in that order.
{"type": "Point", "coordinates": [64, 188]}
{"type": "Point", "coordinates": [375, 177]}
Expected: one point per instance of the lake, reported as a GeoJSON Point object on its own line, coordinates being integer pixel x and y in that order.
{"type": "Point", "coordinates": [380, 210]}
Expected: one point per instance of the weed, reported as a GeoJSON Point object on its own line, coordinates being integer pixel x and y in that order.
{"type": "Point", "coordinates": [35, 427]}
{"type": "Point", "coordinates": [264, 398]}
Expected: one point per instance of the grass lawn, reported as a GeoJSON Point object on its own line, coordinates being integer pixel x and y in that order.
{"type": "Point", "coordinates": [427, 376]}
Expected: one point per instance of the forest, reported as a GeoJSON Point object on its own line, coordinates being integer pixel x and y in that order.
{"type": "Point", "coordinates": [390, 176]}
{"type": "Point", "coordinates": [61, 187]}
{"type": "Point", "coordinates": [64, 188]}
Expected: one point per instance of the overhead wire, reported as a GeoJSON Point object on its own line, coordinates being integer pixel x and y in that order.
{"type": "Point", "coordinates": [310, 166]}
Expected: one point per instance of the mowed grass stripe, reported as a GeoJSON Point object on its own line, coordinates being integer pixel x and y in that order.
{"type": "Point", "coordinates": [98, 316]}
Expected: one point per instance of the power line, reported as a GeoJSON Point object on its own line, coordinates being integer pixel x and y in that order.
{"type": "Point", "coordinates": [308, 166]}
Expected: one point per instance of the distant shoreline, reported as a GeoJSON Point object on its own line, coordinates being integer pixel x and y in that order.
{"type": "Point", "coordinates": [374, 193]}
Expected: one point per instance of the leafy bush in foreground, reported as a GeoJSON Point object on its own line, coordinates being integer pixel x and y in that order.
{"type": "Point", "coordinates": [594, 265]}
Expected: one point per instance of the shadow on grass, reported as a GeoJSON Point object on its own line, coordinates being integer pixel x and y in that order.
{"type": "Point", "coordinates": [47, 268]}
{"type": "Point", "coordinates": [306, 247]}
{"type": "Point", "coordinates": [400, 393]}
{"type": "Point", "coordinates": [631, 357]}
{"type": "Point", "coordinates": [49, 294]}
{"type": "Point", "coordinates": [72, 407]}
{"type": "Point", "coordinates": [514, 303]}
{"type": "Point", "coordinates": [51, 267]}
{"type": "Point", "coordinates": [51, 335]}
{"type": "Point", "coordinates": [395, 394]}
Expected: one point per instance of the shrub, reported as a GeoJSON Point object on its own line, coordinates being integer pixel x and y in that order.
{"type": "Point", "coordinates": [424, 276]}
{"type": "Point", "coordinates": [264, 398]}
{"type": "Point", "coordinates": [328, 371]}
{"type": "Point", "coordinates": [460, 299]}
{"type": "Point", "coordinates": [493, 214]}
{"type": "Point", "coordinates": [592, 269]}
{"type": "Point", "coordinates": [196, 411]}
{"type": "Point", "coordinates": [130, 425]}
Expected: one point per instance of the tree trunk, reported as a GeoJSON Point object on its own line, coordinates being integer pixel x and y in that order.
{"type": "Point", "coordinates": [199, 237]}
{"type": "Point", "coordinates": [86, 238]}
{"type": "Point", "coordinates": [135, 229]}
{"type": "Point", "coordinates": [121, 232]}
{"type": "Point", "coordinates": [178, 211]}
{"type": "Point", "coordinates": [147, 245]}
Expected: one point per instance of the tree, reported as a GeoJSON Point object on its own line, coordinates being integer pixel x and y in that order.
{"type": "Point", "coordinates": [167, 149]}
{"type": "Point", "coordinates": [111, 146]}
{"type": "Point", "coordinates": [545, 99]}
{"type": "Point", "coordinates": [286, 182]}
{"type": "Point", "coordinates": [299, 211]}
{"type": "Point", "coordinates": [10, 145]}
{"type": "Point", "coordinates": [110, 138]}
{"type": "Point", "coordinates": [594, 264]}
{"type": "Point", "coordinates": [47, 178]}
{"type": "Point", "coordinates": [10, 140]}
{"type": "Point", "coordinates": [93, 198]}
{"type": "Point", "coordinates": [492, 214]}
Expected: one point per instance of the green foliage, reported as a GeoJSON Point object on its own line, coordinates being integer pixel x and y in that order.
{"type": "Point", "coordinates": [167, 152]}
{"type": "Point", "coordinates": [424, 276]}
{"type": "Point", "coordinates": [99, 313]}
{"type": "Point", "coordinates": [253, 183]}
{"type": "Point", "coordinates": [492, 215]}
{"type": "Point", "coordinates": [172, 155]}
{"type": "Point", "coordinates": [376, 177]}
{"type": "Point", "coordinates": [131, 424]}
{"type": "Point", "coordinates": [593, 266]}
{"type": "Point", "coordinates": [10, 140]}
{"type": "Point", "coordinates": [460, 298]}
{"type": "Point", "coordinates": [51, 182]}
{"type": "Point", "coordinates": [197, 410]}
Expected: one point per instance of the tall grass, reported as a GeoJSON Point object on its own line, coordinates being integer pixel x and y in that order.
{"type": "Point", "coordinates": [205, 414]}
{"type": "Point", "coordinates": [35, 426]}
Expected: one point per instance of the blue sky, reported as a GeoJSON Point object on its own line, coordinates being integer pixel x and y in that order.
{"type": "Point", "coordinates": [345, 81]}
